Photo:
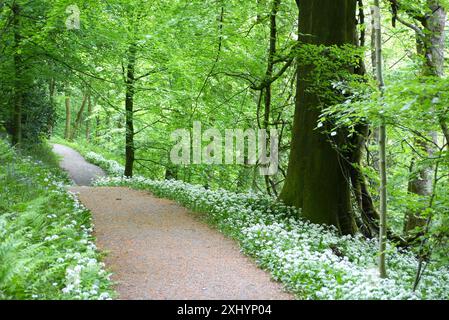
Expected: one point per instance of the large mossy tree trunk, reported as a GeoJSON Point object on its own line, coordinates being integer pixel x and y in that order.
{"type": "Point", "coordinates": [317, 180]}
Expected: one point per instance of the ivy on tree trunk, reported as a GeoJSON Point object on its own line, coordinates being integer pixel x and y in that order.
{"type": "Point", "coordinates": [318, 181]}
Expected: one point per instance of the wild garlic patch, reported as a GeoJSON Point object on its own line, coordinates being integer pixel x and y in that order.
{"type": "Point", "coordinates": [110, 166]}
{"type": "Point", "coordinates": [312, 261]}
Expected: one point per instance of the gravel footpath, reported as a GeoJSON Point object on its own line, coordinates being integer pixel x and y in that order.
{"type": "Point", "coordinates": [158, 250]}
{"type": "Point", "coordinates": [80, 171]}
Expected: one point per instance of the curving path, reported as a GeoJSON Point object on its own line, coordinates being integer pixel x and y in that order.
{"type": "Point", "coordinates": [158, 250]}
{"type": "Point", "coordinates": [81, 172]}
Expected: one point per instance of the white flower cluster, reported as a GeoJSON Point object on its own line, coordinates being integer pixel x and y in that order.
{"type": "Point", "coordinates": [312, 261]}
{"type": "Point", "coordinates": [51, 238]}
{"type": "Point", "coordinates": [112, 167]}
{"type": "Point", "coordinates": [86, 267]}
{"type": "Point", "coordinates": [73, 278]}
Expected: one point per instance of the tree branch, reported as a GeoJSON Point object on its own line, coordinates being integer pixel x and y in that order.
{"type": "Point", "coordinates": [415, 28]}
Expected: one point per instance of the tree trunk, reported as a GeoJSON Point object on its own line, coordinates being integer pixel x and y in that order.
{"type": "Point", "coordinates": [88, 120]}
{"type": "Point", "coordinates": [97, 126]}
{"type": "Point", "coordinates": [431, 47]}
{"type": "Point", "coordinates": [317, 179]}
{"type": "Point", "coordinates": [421, 185]}
{"type": "Point", "coordinates": [383, 201]}
{"type": "Point", "coordinates": [369, 224]}
{"type": "Point", "coordinates": [259, 10]}
{"type": "Point", "coordinates": [445, 129]}
{"type": "Point", "coordinates": [51, 93]}
{"type": "Point", "coordinates": [171, 173]}
{"type": "Point", "coordinates": [129, 112]}
{"type": "Point", "coordinates": [270, 64]}
{"type": "Point", "coordinates": [18, 83]}
{"type": "Point", "coordinates": [67, 118]}
{"type": "Point", "coordinates": [382, 145]}
{"type": "Point", "coordinates": [268, 77]}
{"type": "Point", "coordinates": [435, 36]}
{"type": "Point", "coordinates": [97, 122]}
{"type": "Point", "coordinates": [79, 117]}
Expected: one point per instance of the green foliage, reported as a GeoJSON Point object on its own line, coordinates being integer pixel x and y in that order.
{"type": "Point", "coordinates": [413, 110]}
{"type": "Point", "coordinates": [323, 62]}
{"type": "Point", "coordinates": [46, 247]}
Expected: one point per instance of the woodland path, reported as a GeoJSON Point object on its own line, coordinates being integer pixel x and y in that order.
{"type": "Point", "coordinates": [81, 172]}
{"type": "Point", "coordinates": [158, 250]}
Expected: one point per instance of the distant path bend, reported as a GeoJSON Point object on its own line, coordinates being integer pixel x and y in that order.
{"type": "Point", "coordinates": [81, 172]}
{"type": "Point", "coordinates": [159, 250]}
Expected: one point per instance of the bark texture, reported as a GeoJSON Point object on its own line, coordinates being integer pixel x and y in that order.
{"type": "Point", "coordinates": [318, 175]}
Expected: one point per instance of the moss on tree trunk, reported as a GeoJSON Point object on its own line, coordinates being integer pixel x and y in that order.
{"type": "Point", "coordinates": [317, 179]}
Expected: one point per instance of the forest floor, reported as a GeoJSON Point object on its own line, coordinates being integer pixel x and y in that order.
{"type": "Point", "coordinates": [158, 250]}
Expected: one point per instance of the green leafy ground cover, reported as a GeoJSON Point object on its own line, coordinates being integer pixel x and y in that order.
{"type": "Point", "coordinates": [46, 247]}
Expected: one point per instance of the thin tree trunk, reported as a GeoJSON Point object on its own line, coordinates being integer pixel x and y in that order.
{"type": "Point", "coordinates": [268, 77]}
{"type": "Point", "coordinates": [97, 122]}
{"type": "Point", "coordinates": [445, 130]}
{"type": "Point", "coordinates": [79, 117]}
{"type": "Point", "coordinates": [383, 202]}
{"type": "Point", "coordinates": [88, 120]}
{"type": "Point", "coordinates": [369, 223]}
{"type": "Point", "coordinates": [382, 146]}
{"type": "Point", "coordinates": [270, 65]}
{"type": "Point", "coordinates": [375, 135]}
{"type": "Point", "coordinates": [258, 9]}
{"type": "Point", "coordinates": [129, 112]}
{"type": "Point", "coordinates": [18, 83]}
{"type": "Point", "coordinates": [67, 118]}
{"type": "Point", "coordinates": [97, 126]}
{"type": "Point", "coordinates": [51, 93]}
{"type": "Point", "coordinates": [373, 44]}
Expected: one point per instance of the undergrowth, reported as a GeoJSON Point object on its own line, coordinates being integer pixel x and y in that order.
{"type": "Point", "coordinates": [46, 247]}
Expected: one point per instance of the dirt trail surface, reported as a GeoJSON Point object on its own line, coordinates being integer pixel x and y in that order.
{"type": "Point", "coordinates": [158, 250]}
{"type": "Point", "coordinates": [79, 169]}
